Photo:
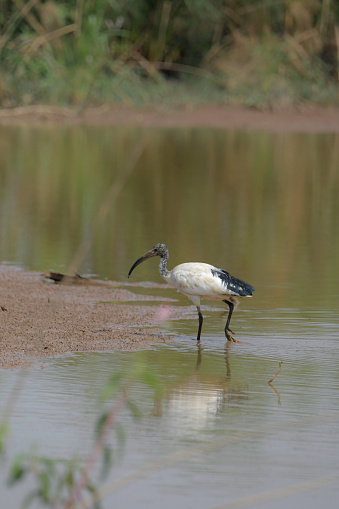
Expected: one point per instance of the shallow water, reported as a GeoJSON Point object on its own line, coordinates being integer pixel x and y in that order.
{"type": "Point", "coordinates": [263, 206]}
{"type": "Point", "coordinates": [218, 433]}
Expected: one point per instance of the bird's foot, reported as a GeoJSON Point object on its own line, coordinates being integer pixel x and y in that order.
{"type": "Point", "coordinates": [230, 337]}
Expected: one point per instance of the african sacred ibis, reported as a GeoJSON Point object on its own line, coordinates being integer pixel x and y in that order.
{"type": "Point", "coordinates": [200, 280]}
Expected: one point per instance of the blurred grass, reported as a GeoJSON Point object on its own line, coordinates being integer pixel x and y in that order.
{"type": "Point", "coordinates": [260, 53]}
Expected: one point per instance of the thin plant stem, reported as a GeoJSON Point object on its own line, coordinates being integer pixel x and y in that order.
{"type": "Point", "coordinates": [108, 203]}
{"type": "Point", "coordinates": [50, 36]}
{"type": "Point", "coordinates": [275, 392]}
{"type": "Point", "coordinates": [39, 29]}
{"type": "Point", "coordinates": [336, 31]}
{"type": "Point", "coordinates": [11, 24]}
{"type": "Point", "coordinates": [79, 11]}
{"type": "Point", "coordinates": [277, 373]}
{"type": "Point", "coordinates": [96, 451]}
{"type": "Point", "coordinates": [165, 15]}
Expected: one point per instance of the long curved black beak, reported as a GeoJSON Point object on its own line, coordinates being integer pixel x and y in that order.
{"type": "Point", "coordinates": [142, 258]}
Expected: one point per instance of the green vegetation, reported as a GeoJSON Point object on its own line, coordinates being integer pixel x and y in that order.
{"type": "Point", "coordinates": [63, 483]}
{"type": "Point", "coordinates": [264, 53]}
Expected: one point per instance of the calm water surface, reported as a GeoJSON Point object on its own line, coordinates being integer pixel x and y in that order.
{"type": "Point", "coordinates": [263, 206]}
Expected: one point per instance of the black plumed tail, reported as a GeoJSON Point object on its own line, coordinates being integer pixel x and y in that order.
{"type": "Point", "coordinates": [233, 284]}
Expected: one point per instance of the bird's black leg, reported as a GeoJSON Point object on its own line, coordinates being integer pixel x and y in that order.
{"type": "Point", "coordinates": [231, 307]}
{"type": "Point", "coordinates": [228, 332]}
{"type": "Point", "coordinates": [200, 323]}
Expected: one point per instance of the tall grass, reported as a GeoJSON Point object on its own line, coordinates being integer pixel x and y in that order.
{"type": "Point", "coordinates": [72, 52]}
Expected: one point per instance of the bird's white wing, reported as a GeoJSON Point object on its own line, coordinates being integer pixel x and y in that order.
{"type": "Point", "coordinates": [200, 279]}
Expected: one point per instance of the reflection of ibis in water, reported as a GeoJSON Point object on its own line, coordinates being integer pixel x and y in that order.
{"type": "Point", "coordinates": [192, 403]}
{"type": "Point", "coordinates": [200, 281]}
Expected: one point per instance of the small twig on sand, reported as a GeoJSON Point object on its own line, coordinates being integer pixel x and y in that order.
{"type": "Point", "coordinates": [277, 373]}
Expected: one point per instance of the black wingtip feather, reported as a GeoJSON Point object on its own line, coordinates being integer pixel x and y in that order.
{"type": "Point", "coordinates": [233, 284]}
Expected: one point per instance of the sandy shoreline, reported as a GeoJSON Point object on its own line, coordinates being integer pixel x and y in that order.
{"type": "Point", "coordinates": [41, 319]}
{"type": "Point", "coordinates": [308, 119]}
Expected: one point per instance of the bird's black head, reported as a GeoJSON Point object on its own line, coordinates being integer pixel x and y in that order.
{"type": "Point", "coordinates": [157, 250]}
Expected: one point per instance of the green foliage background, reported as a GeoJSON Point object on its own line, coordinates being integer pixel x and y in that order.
{"type": "Point", "coordinates": [260, 52]}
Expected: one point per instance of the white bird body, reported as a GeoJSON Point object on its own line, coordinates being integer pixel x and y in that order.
{"type": "Point", "coordinates": [197, 281]}
{"type": "Point", "coordinates": [200, 281]}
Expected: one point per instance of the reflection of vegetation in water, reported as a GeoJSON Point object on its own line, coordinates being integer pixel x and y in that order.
{"type": "Point", "coordinates": [262, 206]}
{"type": "Point", "coordinates": [256, 52]}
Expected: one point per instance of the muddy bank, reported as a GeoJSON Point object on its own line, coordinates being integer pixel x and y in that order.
{"type": "Point", "coordinates": [41, 319]}
{"type": "Point", "coordinates": [311, 119]}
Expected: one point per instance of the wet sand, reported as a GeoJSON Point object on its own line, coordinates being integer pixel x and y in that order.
{"type": "Point", "coordinates": [41, 319]}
